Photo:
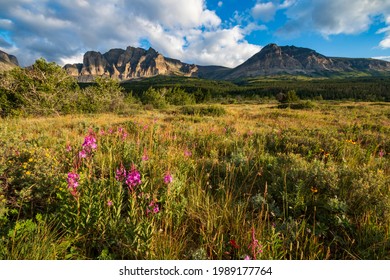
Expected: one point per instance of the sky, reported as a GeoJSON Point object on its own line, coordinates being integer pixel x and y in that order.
{"type": "Point", "coordinates": [204, 32]}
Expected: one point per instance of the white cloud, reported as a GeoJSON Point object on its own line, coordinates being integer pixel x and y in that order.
{"type": "Point", "coordinates": [334, 17]}
{"type": "Point", "coordinates": [385, 43]}
{"type": "Point", "coordinates": [61, 30]}
{"type": "Point", "coordinates": [387, 58]}
{"type": "Point", "coordinates": [220, 4]}
{"type": "Point", "coordinates": [225, 47]}
{"type": "Point", "coordinates": [264, 11]}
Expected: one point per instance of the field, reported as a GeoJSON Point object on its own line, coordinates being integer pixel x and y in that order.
{"type": "Point", "coordinates": [238, 181]}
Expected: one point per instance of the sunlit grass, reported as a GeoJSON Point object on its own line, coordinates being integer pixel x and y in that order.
{"type": "Point", "coordinates": [307, 184]}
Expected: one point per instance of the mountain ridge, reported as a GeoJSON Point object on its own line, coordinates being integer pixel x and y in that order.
{"type": "Point", "coordinates": [271, 60]}
{"type": "Point", "coordinates": [7, 61]}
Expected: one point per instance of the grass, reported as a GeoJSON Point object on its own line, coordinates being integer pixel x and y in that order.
{"type": "Point", "coordinates": [247, 180]}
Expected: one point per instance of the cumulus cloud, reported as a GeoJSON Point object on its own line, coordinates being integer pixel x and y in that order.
{"type": "Point", "coordinates": [387, 58]}
{"type": "Point", "coordinates": [61, 30]}
{"type": "Point", "coordinates": [333, 17]}
{"type": "Point", "coordinates": [265, 11]}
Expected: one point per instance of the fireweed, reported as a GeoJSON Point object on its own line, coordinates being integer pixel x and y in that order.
{"type": "Point", "coordinates": [88, 146]}
{"type": "Point", "coordinates": [73, 182]}
{"type": "Point", "coordinates": [131, 178]}
{"type": "Point", "coordinates": [168, 178]}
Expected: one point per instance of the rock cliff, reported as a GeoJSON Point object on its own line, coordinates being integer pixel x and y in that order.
{"type": "Point", "coordinates": [128, 64]}
{"type": "Point", "coordinates": [7, 61]}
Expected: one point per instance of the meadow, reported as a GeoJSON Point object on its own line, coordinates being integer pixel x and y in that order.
{"type": "Point", "coordinates": [209, 181]}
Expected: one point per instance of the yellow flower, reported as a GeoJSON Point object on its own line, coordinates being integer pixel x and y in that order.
{"type": "Point", "coordinates": [30, 160]}
{"type": "Point", "coordinates": [28, 173]}
{"type": "Point", "coordinates": [314, 190]}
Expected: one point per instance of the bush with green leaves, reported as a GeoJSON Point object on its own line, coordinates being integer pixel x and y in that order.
{"type": "Point", "coordinates": [105, 95]}
{"type": "Point", "coordinates": [289, 97]}
{"type": "Point", "coordinates": [155, 98]}
{"type": "Point", "coordinates": [41, 89]}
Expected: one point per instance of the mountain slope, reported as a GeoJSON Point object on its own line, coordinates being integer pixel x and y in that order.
{"type": "Point", "coordinates": [7, 61]}
{"type": "Point", "coordinates": [128, 64]}
{"type": "Point", "coordinates": [271, 60]}
{"type": "Point", "coordinates": [291, 60]}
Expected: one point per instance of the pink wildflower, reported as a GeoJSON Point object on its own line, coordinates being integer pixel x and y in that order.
{"type": "Point", "coordinates": [133, 178]}
{"type": "Point", "coordinates": [88, 146]}
{"type": "Point", "coordinates": [83, 154]}
{"type": "Point", "coordinates": [73, 182]}
{"type": "Point", "coordinates": [109, 203]}
{"type": "Point", "coordinates": [152, 208]}
{"type": "Point", "coordinates": [381, 153]}
{"type": "Point", "coordinates": [247, 258]}
{"type": "Point", "coordinates": [168, 178]}
{"type": "Point", "coordinates": [120, 173]}
{"type": "Point", "coordinates": [255, 246]}
{"type": "Point", "coordinates": [68, 148]}
{"type": "Point", "coordinates": [89, 142]}
{"type": "Point", "coordinates": [187, 153]}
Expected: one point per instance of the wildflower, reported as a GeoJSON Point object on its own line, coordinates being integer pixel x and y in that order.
{"type": "Point", "coordinates": [68, 148]}
{"type": "Point", "coordinates": [187, 153]}
{"type": "Point", "coordinates": [314, 190]}
{"type": "Point", "coordinates": [123, 132]}
{"type": "Point", "coordinates": [109, 203]}
{"type": "Point", "coordinates": [133, 178]}
{"type": "Point", "coordinates": [83, 154]}
{"type": "Point", "coordinates": [152, 208]}
{"type": "Point", "coordinates": [247, 258]}
{"type": "Point", "coordinates": [120, 173]}
{"type": "Point", "coordinates": [255, 246]}
{"type": "Point", "coordinates": [89, 143]}
{"type": "Point", "coordinates": [88, 146]}
{"type": "Point", "coordinates": [73, 182]}
{"type": "Point", "coordinates": [145, 156]}
{"type": "Point", "coordinates": [168, 178]}
{"type": "Point", "coordinates": [233, 243]}
{"type": "Point", "coordinates": [381, 153]}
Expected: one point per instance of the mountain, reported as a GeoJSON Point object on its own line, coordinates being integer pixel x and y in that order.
{"type": "Point", "coordinates": [7, 61]}
{"type": "Point", "coordinates": [128, 64]}
{"type": "Point", "coordinates": [291, 60]}
{"type": "Point", "coordinates": [271, 60]}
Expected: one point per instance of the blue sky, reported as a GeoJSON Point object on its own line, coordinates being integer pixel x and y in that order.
{"type": "Point", "coordinates": [205, 32]}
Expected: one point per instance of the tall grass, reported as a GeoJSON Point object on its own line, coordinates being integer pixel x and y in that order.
{"type": "Point", "coordinates": [254, 182]}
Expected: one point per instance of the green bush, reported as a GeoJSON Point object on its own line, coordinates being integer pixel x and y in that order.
{"type": "Point", "coordinates": [177, 96]}
{"type": "Point", "coordinates": [212, 110]}
{"type": "Point", "coordinates": [154, 97]}
{"type": "Point", "coordinates": [42, 89]}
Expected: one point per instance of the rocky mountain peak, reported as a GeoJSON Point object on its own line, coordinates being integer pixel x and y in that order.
{"type": "Point", "coordinates": [128, 64]}
{"type": "Point", "coordinates": [291, 60]}
{"type": "Point", "coordinates": [7, 61]}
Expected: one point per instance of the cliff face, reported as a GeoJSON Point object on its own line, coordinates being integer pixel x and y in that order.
{"type": "Point", "coordinates": [128, 64]}
{"type": "Point", "coordinates": [271, 60]}
{"type": "Point", "coordinates": [7, 61]}
{"type": "Point", "coordinates": [274, 60]}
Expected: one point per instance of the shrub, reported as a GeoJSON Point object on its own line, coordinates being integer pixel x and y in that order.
{"type": "Point", "coordinates": [178, 96]}
{"type": "Point", "coordinates": [42, 89]}
{"type": "Point", "coordinates": [154, 97]}
{"type": "Point", "coordinates": [289, 97]}
{"type": "Point", "coordinates": [211, 110]}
